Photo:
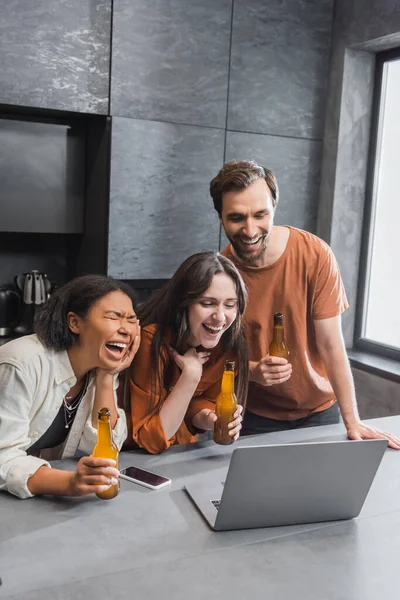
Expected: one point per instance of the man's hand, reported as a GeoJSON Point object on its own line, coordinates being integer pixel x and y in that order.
{"type": "Point", "coordinates": [359, 431]}
{"type": "Point", "coordinates": [270, 370]}
{"type": "Point", "coordinates": [93, 475]}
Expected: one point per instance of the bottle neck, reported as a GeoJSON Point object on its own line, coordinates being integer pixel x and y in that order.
{"type": "Point", "coordinates": [279, 334]}
{"type": "Point", "coordinates": [104, 431]}
{"type": "Point", "coordinates": [228, 382]}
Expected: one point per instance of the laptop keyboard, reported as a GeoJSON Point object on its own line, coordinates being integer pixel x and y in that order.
{"type": "Point", "coordinates": [216, 503]}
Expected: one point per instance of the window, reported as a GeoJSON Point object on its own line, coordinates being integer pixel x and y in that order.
{"type": "Point", "coordinates": [378, 319]}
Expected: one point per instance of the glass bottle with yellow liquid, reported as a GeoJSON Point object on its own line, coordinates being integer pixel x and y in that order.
{"type": "Point", "coordinates": [225, 405]}
{"type": "Point", "coordinates": [278, 346]}
{"type": "Point", "coordinates": [105, 448]}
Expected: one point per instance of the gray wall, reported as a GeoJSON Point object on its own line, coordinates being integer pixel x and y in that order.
{"type": "Point", "coordinates": [55, 55]}
{"type": "Point", "coordinates": [361, 28]}
{"type": "Point", "coordinates": [197, 82]}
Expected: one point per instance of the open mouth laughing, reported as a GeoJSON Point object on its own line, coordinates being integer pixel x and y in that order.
{"type": "Point", "coordinates": [116, 349]}
{"type": "Point", "coordinates": [212, 330]}
{"type": "Point", "coordinates": [250, 243]}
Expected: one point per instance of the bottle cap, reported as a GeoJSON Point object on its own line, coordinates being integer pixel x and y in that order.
{"type": "Point", "coordinates": [229, 365]}
{"type": "Point", "coordinates": [104, 412]}
{"type": "Point", "coordinates": [278, 318]}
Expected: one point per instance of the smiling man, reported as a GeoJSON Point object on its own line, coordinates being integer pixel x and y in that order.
{"type": "Point", "coordinates": [293, 272]}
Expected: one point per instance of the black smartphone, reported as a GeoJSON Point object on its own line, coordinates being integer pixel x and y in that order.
{"type": "Point", "coordinates": [146, 478]}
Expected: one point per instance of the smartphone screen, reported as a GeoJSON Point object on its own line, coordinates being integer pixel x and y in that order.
{"type": "Point", "coordinates": [145, 476]}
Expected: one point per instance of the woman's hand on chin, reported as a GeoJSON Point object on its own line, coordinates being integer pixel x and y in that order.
{"type": "Point", "coordinates": [125, 361]}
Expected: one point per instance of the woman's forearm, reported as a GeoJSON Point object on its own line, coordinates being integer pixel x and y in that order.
{"type": "Point", "coordinates": [175, 406]}
{"type": "Point", "coordinates": [50, 481]}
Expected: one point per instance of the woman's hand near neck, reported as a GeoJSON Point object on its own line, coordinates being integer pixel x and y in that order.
{"type": "Point", "coordinates": [175, 405]}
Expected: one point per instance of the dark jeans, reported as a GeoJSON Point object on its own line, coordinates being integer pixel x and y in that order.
{"type": "Point", "coordinates": [253, 424]}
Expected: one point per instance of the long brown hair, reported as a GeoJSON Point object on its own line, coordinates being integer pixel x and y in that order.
{"type": "Point", "coordinates": [168, 309]}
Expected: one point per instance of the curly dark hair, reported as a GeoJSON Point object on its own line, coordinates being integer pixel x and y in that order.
{"type": "Point", "coordinates": [78, 296]}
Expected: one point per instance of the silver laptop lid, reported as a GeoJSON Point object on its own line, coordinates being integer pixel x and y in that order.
{"type": "Point", "coordinates": [297, 483]}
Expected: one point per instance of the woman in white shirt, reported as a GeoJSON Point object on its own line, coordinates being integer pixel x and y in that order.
{"type": "Point", "coordinates": [53, 383]}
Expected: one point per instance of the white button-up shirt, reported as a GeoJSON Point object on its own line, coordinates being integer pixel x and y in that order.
{"type": "Point", "coordinates": [33, 383]}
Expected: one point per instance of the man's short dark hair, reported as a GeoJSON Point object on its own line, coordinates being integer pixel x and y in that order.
{"type": "Point", "coordinates": [237, 175]}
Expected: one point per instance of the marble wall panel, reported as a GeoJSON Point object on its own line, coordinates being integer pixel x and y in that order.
{"type": "Point", "coordinates": [295, 163]}
{"type": "Point", "coordinates": [171, 60]}
{"type": "Point", "coordinates": [279, 66]}
{"type": "Point", "coordinates": [371, 26]}
{"type": "Point", "coordinates": [160, 210]}
{"type": "Point", "coordinates": [359, 21]}
{"type": "Point", "coordinates": [351, 174]}
{"type": "Point", "coordinates": [330, 144]}
{"type": "Point", "coordinates": [55, 54]}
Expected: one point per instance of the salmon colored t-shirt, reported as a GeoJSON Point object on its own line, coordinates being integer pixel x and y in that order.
{"type": "Point", "coordinates": [145, 426]}
{"type": "Point", "coordinates": [305, 285]}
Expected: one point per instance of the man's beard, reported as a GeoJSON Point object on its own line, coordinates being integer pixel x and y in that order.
{"type": "Point", "coordinates": [250, 257]}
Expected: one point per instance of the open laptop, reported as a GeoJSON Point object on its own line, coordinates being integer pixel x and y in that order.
{"type": "Point", "coordinates": [290, 484]}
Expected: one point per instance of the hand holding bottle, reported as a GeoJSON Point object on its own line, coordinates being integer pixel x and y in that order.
{"type": "Point", "coordinates": [270, 370]}
{"type": "Point", "coordinates": [226, 407]}
{"type": "Point", "coordinates": [273, 368]}
{"type": "Point", "coordinates": [92, 476]}
{"type": "Point", "coordinates": [106, 449]}
{"type": "Point", "coordinates": [206, 418]}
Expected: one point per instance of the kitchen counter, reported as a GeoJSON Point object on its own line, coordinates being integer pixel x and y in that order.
{"type": "Point", "coordinates": [149, 544]}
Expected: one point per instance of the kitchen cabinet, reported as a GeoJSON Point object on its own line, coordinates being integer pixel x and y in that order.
{"type": "Point", "coordinates": [42, 174]}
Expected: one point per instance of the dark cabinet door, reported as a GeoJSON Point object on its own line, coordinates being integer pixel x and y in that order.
{"type": "Point", "coordinates": [42, 174]}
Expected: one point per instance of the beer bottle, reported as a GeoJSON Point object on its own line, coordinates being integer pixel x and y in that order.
{"type": "Point", "coordinates": [278, 346]}
{"type": "Point", "coordinates": [225, 405]}
{"type": "Point", "coordinates": [105, 448]}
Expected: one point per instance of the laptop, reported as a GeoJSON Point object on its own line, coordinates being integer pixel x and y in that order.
{"type": "Point", "coordinates": [289, 484]}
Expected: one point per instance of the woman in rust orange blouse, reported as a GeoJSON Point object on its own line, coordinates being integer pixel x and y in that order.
{"type": "Point", "coordinates": [189, 328]}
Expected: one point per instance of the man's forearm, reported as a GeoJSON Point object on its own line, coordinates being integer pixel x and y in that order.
{"type": "Point", "coordinates": [340, 376]}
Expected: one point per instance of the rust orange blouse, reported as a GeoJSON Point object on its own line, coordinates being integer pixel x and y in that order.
{"type": "Point", "coordinates": [145, 427]}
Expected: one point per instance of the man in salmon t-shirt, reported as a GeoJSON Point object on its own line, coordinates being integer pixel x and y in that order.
{"type": "Point", "coordinates": [294, 272]}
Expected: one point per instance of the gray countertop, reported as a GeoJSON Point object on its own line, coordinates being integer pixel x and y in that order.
{"type": "Point", "coordinates": [145, 543]}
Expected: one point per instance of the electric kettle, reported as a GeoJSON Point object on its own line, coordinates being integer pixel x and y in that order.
{"type": "Point", "coordinates": [35, 288]}
{"type": "Point", "coordinates": [10, 310]}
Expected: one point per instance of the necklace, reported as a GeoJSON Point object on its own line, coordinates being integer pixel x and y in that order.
{"type": "Point", "coordinates": [70, 408]}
